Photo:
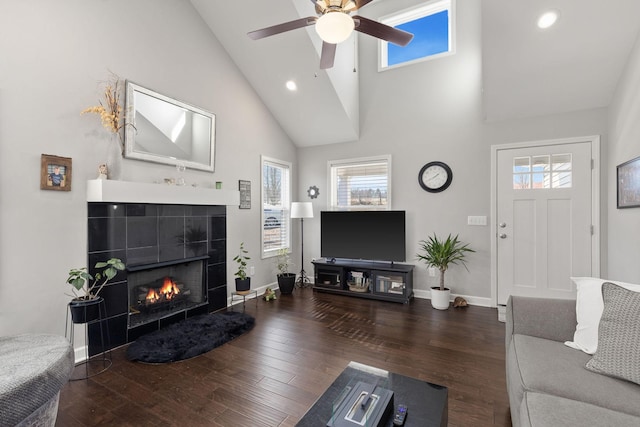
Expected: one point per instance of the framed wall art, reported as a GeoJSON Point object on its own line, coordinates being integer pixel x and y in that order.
{"type": "Point", "coordinates": [628, 179]}
{"type": "Point", "coordinates": [245, 194]}
{"type": "Point", "coordinates": [55, 173]}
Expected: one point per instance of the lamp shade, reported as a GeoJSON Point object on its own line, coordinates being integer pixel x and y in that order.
{"type": "Point", "coordinates": [335, 27]}
{"type": "Point", "coordinates": [301, 210]}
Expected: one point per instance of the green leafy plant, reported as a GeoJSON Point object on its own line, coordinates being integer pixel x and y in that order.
{"type": "Point", "coordinates": [87, 287]}
{"type": "Point", "coordinates": [283, 261]}
{"type": "Point", "coordinates": [242, 259]}
{"type": "Point", "coordinates": [440, 253]}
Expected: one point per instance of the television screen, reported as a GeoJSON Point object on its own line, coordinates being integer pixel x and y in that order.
{"type": "Point", "coordinates": [367, 235]}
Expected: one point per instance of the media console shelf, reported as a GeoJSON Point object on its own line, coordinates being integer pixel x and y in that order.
{"type": "Point", "coordinates": [365, 279]}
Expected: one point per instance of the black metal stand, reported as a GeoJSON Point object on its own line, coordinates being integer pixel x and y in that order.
{"type": "Point", "coordinates": [102, 361]}
{"type": "Point", "coordinates": [303, 280]}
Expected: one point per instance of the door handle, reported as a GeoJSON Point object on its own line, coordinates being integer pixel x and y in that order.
{"type": "Point", "coordinates": [502, 236]}
{"type": "Point", "coordinates": [502, 225]}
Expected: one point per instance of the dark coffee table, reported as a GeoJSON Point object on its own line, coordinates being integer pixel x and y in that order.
{"type": "Point", "coordinates": [426, 402]}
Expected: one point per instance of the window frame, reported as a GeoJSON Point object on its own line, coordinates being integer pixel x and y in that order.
{"type": "Point", "coordinates": [412, 14]}
{"type": "Point", "coordinates": [286, 205]}
{"type": "Point", "coordinates": [358, 161]}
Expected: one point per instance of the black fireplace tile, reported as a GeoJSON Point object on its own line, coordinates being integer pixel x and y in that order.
{"type": "Point", "coordinates": [172, 230]}
{"type": "Point", "coordinates": [171, 210]}
{"type": "Point", "coordinates": [217, 251]}
{"type": "Point", "coordinates": [135, 333]}
{"type": "Point", "coordinates": [142, 256]}
{"type": "Point", "coordinates": [196, 249]}
{"type": "Point", "coordinates": [142, 232]}
{"type": "Point", "coordinates": [171, 252]}
{"type": "Point", "coordinates": [217, 210]}
{"type": "Point", "coordinates": [196, 210]}
{"type": "Point", "coordinates": [138, 210]}
{"type": "Point", "coordinates": [116, 298]}
{"type": "Point", "coordinates": [217, 298]}
{"type": "Point", "coordinates": [218, 227]}
{"type": "Point", "coordinates": [216, 275]}
{"type": "Point", "coordinates": [170, 320]}
{"type": "Point", "coordinates": [112, 334]}
{"type": "Point", "coordinates": [195, 229]}
{"type": "Point", "coordinates": [106, 234]}
{"type": "Point", "coordinates": [105, 210]}
{"type": "Point", "coordinates": [203, 309]}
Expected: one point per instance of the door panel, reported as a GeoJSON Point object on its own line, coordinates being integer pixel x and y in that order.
{"type": "Point", "coordinates": [544, 205]}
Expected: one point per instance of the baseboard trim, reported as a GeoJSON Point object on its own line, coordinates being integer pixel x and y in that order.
{"type": "Point", "coordinates": [80, 354]}
{"type": "Point", "coordinates": [471, 300]}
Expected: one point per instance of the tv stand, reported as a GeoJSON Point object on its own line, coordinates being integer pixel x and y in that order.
{"type": "Point", "coordinates": [386, 281]}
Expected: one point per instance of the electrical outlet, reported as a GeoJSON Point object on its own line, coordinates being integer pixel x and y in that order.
{"type": "Point", "coordinates": [252, 270]}
{"type": "Point", "coordinates": [432, 271]}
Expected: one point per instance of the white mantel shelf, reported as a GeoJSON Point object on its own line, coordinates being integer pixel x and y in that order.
{"type": "Point", "coordinates": [103, 190]}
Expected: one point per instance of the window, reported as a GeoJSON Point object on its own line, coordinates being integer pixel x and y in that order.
{"type": "Point", "coordinates": [360, 183]}
{"type": "Point", "coordinates": [432, 27]}
{"type": "Point", "coordinates": [544, 171]}
{"type": "Point", "coordinates": [276, 202]}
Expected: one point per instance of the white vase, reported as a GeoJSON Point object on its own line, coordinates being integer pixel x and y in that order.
{"type": "Point", "coordinates": [440, 299]}
{"type": "Point", "coordinates": [114, 158]}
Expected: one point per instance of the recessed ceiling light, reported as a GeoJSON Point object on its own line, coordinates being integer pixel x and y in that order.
{"type": "Point", "coordinates": [291, 85]}
{"type": "Point", "coordinates": [547, 19]}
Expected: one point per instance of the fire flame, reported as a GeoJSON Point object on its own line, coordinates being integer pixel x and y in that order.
{"type": "Point", "coordinates": [167, 292]}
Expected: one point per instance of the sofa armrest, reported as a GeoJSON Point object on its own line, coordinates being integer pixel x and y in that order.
{"type": "Point", "coordinates": [553, 319]}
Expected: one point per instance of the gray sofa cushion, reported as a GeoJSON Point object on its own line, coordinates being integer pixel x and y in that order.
{"type": "Point", "coordinates": [618, 351]}
{"type": "Point", "coordinates": [544, 410]}
{"type": "Point", "coordinates": [545, 366]}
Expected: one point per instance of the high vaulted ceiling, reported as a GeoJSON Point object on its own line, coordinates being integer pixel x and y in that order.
{"type": "Point", "coordinates": [574, 65]}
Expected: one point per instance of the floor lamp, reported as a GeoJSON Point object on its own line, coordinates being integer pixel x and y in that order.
{"type": "Point", "coordinates": [302, 210]}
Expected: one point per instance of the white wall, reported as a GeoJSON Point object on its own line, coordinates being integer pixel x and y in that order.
{"type": "Point", "coordinates": [624, 145]}
{"type": "Point", "coordinates": [53, 56]}
{"type": "Point", "coordinates": [433, 111]}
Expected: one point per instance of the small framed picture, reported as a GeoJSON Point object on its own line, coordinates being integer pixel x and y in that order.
{"type": "Point", "coordinates": [629, 184]}
{"type": "Point", "coordinates": [245, 194]}
{"type": "Point", "coordinates": [55, 173]}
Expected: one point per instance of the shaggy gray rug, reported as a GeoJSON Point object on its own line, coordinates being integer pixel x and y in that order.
{"type": "Point", "coordinates": [190, 337]}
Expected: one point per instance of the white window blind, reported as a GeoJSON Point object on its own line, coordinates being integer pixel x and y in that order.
{"type": "Point", "coordinates": [361, 183]}
{"type": "Point", "coordinates": [276, 202]}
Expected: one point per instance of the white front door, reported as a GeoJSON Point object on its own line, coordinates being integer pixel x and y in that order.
{"type": "Point", "coordinates": [545, 218]}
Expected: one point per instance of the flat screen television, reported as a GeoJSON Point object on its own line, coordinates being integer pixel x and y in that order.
{"type": "Point", "coordinates": [366, 235]}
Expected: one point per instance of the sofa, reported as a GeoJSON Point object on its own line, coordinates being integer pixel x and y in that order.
{"type": "Point", "coordinates": [547, 381]}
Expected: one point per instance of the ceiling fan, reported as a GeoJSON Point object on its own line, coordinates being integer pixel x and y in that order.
{"type": "Point", "coordinates": [335, 24]}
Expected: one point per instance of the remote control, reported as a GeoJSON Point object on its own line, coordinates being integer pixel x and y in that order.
{"type": "Point", "coordinates": [401, 414]}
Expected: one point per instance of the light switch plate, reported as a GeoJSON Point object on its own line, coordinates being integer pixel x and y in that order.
{"type": "Point", "coordinates": [477, 220]}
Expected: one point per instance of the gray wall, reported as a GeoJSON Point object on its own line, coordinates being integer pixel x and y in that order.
{"type": "Point", "coordinates": [53, 56]}
{"type": "Point", "coordinates": [624, 145]}
{"type": "Point", "coordinates": [433, 111]}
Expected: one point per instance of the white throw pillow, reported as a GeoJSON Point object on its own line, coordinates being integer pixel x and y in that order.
{"type": "Point", "coordinates": [589, 306]}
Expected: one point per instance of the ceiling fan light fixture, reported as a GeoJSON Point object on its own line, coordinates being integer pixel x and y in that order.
{"type": "Point", "coordinates": [335, 27]}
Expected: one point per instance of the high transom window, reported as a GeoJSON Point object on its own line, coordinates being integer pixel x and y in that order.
{"type": "Point", "coordinates": [363, 183]}
{"type": "Point", "coordinates": [432, 27]}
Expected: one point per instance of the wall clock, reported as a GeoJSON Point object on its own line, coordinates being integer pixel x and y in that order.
{"type": "Point", "coordinates": [313, 192]}
{"type": "Point", "coordinates": [435, 177]}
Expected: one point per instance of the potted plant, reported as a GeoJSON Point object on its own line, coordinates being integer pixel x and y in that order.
{"type": "Point", "coordinates": [243, 283]}
{"type": "Point", "coordinates": [439, 253]}
{"type": "Point", "coordinates": [84, 306]}
{"type": "Point", "coordinates": [286, 279]}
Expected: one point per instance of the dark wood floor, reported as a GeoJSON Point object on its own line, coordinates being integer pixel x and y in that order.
{"type": "Point", "coordinates": [272, 375]}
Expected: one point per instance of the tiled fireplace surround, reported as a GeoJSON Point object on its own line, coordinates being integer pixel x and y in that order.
{"type": "Point", "coordinates": [151, 235]}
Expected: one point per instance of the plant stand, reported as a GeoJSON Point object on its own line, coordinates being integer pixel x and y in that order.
{"type": "Point", "coordinates": [103, 360]}
{"type": "Point", "coordinates": [242, 295]}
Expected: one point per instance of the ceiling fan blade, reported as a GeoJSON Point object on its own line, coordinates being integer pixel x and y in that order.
{"type": "Point", "coordinates": [361, 3]}
{"type": "Point", "coordinates": [382, 31]}
{"type": "Point", "coordinates": [281, 28]}
{"type": "Point", "coordinates": [328, 55]}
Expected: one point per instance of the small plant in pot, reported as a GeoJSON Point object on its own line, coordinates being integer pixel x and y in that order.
{"type": "Point", "coordinates": [86, 288]}
{"type": "Point", "coordinates": [440, 254]}
{"type": "Point", "coordinates": [243, 283]}
{"type": "Point", "coordinates": [286, 279]}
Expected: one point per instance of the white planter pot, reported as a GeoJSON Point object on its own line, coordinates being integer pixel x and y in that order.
{"type": "Point", "coordinates": [440, 299]}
